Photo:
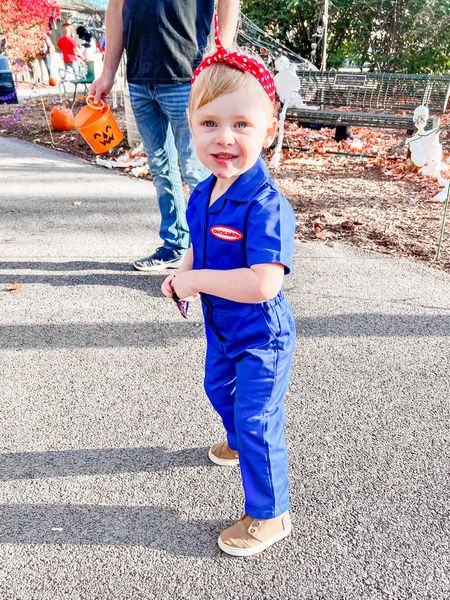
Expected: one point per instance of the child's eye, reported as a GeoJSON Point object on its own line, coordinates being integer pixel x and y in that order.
{"type": "Point", "coordinates": [241, 124]}
{"type": "Point", "coordinates": [208, 124]}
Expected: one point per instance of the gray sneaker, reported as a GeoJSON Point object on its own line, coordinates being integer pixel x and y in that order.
{"type": "Point", "coordinates": [162, 258]}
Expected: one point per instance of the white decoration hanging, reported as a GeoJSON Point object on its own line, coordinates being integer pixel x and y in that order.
{"type": "Point", "coordinates": [287, 84]}
{"type": "Point", "coordinates": [426, 150]}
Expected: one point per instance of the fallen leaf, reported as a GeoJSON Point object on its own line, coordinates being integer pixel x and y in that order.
{"type": "Point", "coordinates": [318, 225]}
{"type": "Point", "coordinates": [348, 224]}
{"type": "Point", "coordinates": [14, 287]}
{"type": "Point", "coordinates": [321, 233]}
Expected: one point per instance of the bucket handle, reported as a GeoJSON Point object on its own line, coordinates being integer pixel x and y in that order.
{"type": "Point", "coordinates": [100, 106]}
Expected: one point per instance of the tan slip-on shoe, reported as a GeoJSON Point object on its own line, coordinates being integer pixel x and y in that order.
{"type": "Point", "coordinates": [221, 454]}
{"type": "Point", "coordinates": [250, 536]}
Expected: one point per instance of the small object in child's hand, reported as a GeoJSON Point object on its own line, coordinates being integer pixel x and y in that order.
{"type": "Point", "coordinates": [183, 306]}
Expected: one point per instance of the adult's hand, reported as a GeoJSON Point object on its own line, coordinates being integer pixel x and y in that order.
{"type": "Point", "coordinates": [101, 87]}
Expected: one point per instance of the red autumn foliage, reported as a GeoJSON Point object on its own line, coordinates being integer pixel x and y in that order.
{"type": "Point", "coordinates": [24, 23]}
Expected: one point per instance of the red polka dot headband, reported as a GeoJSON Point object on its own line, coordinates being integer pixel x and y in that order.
{"type": "Point", "coordinates": [240, 61]}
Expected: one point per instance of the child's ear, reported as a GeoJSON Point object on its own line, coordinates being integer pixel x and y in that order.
{"type": "Point", "coordinates": [271, 132]}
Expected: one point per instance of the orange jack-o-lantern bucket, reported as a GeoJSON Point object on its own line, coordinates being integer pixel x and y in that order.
{"type": "Point", "coordinates": [95, 122]}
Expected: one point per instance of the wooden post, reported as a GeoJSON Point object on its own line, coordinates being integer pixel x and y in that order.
{"type": "Point", "coordinates": [444, 217]}
{"type": "Point", "coordinates": [323, 65]}
{"type": "Point", "coordinates": [46, 118]}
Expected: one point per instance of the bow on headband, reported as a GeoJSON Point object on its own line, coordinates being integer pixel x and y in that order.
{"type": "Point", "coordinates": [240, 61]}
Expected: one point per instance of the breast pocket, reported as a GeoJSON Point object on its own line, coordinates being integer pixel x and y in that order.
{"type": "Point", "coordinates": [226, 248]}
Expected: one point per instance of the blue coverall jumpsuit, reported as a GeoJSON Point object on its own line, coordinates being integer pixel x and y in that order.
{"type": "Point", "coordinates": [249, 346]}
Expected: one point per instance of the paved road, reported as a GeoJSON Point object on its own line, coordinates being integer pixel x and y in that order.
{"type": "Point", "coordinates": [106, 491]}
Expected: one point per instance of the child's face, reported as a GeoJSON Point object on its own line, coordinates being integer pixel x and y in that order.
{"type": "Point", "coordinates": [230, 131]}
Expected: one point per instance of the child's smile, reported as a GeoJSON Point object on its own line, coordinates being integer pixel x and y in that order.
{"type": "Point", "coordinates": [230, 131]}
{"type": "Point", "coordinates": [224, 158]}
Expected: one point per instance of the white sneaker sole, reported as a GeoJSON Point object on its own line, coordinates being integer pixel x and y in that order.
{"type": "Point", "coordinates": [256, 549]}
{"type": "Point", "coordinates": [172, 265]}
{"type": "Point", "coordinates": [222, 461]}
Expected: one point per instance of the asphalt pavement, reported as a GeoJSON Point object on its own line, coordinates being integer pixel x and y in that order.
{"type": "Point", "coordinates": [106, 490]}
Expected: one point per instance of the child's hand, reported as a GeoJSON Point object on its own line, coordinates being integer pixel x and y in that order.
{"type": "Point", "coordinates": [169, 281]}
{"type": "Point", "coordinates": [183, 285]}
{"type": "Point", "coordinates": [165, 287]}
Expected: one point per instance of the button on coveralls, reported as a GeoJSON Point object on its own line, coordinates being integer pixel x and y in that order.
{"type": "Point", "coordinates": [249, 346]}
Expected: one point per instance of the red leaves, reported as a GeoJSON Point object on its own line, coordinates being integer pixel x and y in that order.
{"type": "Point", "coordinates": [25, 23]}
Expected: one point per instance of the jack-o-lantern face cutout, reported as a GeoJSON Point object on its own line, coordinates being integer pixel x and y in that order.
{"type": "Point", "coordinates": [106, 138]}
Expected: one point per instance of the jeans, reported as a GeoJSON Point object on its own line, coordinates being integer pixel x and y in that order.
{"type": "Point", "coordinates": [72, 66]}
{"type": "Point", "coordinates": [161, 116]}
{"type": "Point", "coordinates": [48, 63]}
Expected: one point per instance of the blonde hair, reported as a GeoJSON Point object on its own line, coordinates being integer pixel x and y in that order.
{"type": "Point", "coordinates": [222, 78]}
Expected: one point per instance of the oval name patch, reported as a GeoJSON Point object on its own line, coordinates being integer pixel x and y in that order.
{"type": "Point", "coordinates": [222, 232]}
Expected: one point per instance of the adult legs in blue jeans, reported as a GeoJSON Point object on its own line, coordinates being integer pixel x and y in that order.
{"type": "Point", "coordinates": [161, 116]}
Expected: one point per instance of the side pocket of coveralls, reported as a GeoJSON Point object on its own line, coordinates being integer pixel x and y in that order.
{"type": "Point", "coordinates": [281, 324]}
{"type": "Point", "coordinates": [272, 319]}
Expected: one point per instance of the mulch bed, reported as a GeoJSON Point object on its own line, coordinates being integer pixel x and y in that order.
{"type": "Point", "coordinates": [376, 200]}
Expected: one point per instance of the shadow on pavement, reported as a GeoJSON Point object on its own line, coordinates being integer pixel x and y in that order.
{"type": "Point", "coordinates": [150, 284]}
{"type": "Point", "coordinates": [97, 461]}
{"type": "Point", "coordinates": [169, 333]}
{"type": "Point", "coordinates": [149, 526]}
{"type": "Point", "coordinates": [123, 276]}
{"type": "Point", "coordinates": [100, 335]}
{"type": "Point", "coordinates": [374, 325]}
{"type": "Point", "coordinates": [74, 265]}
{"type": "Point", "coordinates": [155, 527]}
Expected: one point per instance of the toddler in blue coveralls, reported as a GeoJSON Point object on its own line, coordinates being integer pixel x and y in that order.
{"type": "Point", "coordinates": [242, 232]}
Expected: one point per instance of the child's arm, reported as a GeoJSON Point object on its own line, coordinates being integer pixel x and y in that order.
{"type": "Point", "coordinates": [188, 261]}
{"type": "Point", "coordinates": [251, 285]}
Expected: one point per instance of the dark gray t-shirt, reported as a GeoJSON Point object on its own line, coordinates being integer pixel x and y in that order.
{"type": "Point", "coordinates": [165, 39]}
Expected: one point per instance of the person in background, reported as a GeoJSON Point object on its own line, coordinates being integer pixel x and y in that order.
{"type": "Point", "coordinates": [165, 41]}
{"type": "Point", "coordinates": [46, 56]}
{"type": "Point", "coordinates": [69, 48]}
{"type": "Point", "coordinates": [88, 46]}
{"type": "Point", "coordinates": [102, 44]}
